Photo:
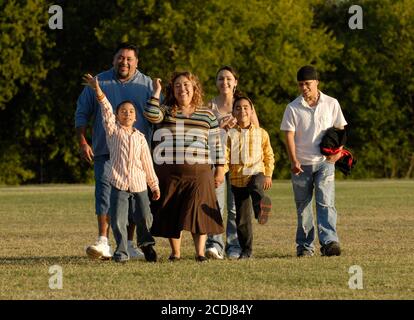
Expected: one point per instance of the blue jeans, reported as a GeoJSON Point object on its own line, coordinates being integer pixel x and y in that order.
{"type": "Point", "coordinates": [138, 204]}
{"type": "Point", "coordinates": [320, 177]}
{"type": "Point", "coordinates": [232, 242]}
{"type": "Point", "coordinates": [102, 170]}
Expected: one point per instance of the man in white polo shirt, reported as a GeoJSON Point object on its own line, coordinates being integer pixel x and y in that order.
{"type": "Point", "coordinates": [305, 121]}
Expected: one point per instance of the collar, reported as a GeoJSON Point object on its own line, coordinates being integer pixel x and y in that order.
{"type": "Point", "coordinates": [320, 100]}
{"type": "Point", "coordinates": [251, 127]}
{"type": "Point", "coordinates": [134, 130]}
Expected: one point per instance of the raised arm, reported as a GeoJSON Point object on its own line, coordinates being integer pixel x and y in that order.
{"type": "Point", "coordinates": [152, 111]}
{"type": "Point", "coordinates": [108, 117]}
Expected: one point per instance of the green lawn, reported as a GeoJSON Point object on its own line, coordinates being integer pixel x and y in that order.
{"type": "Point", "coordinates": [51, 225]}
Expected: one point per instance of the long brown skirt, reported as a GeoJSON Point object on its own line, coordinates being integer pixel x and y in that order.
{"type": "Point", "coordinates": [188, 201]}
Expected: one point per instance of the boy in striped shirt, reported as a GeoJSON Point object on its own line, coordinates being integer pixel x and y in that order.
{"type": "Point", "coordinates": [131, 171]}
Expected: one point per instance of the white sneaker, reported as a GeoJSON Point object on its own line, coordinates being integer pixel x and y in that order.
{"type": "Point", "coordinates": [99, 250]}
{"type": "Point", "coordinates": [212, 253]}
{"type": "Point", "coordinates": [135, 253]}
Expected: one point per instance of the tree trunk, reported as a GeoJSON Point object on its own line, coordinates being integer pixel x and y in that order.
{"type": "Point", "coordinates": [410, 169]}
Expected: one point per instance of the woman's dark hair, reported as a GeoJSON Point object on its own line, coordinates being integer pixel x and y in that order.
{"type": "Point", "coordinates": [230, 69]}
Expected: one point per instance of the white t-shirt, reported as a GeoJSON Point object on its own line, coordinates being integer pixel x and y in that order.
{"type": "Point", "coordinates": [310, 125]}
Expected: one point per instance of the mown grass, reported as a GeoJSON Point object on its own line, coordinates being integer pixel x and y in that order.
{"type": "Point", "coordinates": [43, 226]}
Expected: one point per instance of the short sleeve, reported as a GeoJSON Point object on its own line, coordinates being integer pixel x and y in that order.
{"type": "Point", "coordinates": [288, 121]}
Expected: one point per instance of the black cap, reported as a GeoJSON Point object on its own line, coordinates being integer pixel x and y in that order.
{"type": "Point", "coordinates": [307, 73]}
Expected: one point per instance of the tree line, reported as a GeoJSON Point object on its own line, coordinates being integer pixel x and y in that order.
{"type": "Point", "coordinates": [370, 71]}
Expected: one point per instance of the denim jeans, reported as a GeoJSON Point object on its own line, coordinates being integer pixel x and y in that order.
{"type": "Point", "coordinates": [102, 170]}
{"type": "Point", "coordinates": [121, 201]}
{"type": "Point", "coordinates": [320, 177]}
{"type": "Point", "coordinates": [223, 193]}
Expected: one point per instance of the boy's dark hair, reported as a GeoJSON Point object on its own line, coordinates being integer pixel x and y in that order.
{"type": "Point", "coordinates": [307, 73]}
{"type": "Point", "coordinates": [127, 46]}
{"type": "Point", "coordinates": [123, 102]}
{"type": "Point", "coordinates": [240, 97]}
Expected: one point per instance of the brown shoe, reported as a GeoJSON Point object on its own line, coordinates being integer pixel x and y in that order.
{"type": "Point", "coordinates": [265, 210]}
{"type": "Point", "coordinates": [331, 249]}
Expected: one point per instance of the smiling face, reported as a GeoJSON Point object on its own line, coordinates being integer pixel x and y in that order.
{"type": "Point", "coordinates": [242, 111]}
{"type": "Point", "coordinates": [183, 91]}
{"type": "Point", "coordinates": [226, 82]}
{"type": "Point", "coordinates": [126, 115]}
{"type": "Point", "coordinates": [309, 89]}
{"type": "Point", "coordinates": [125, 64]}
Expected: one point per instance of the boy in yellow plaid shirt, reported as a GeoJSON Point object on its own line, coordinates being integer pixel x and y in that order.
{"type": "Point", "coordinates": [250, 161]}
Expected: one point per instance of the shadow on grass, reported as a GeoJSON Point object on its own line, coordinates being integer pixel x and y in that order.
{"type": "Point", "coordinates": [274, 256]}
{"type": "Point", "coordinates": [27, 260]}
{"type": "Point", "coordinates": [80, 260]}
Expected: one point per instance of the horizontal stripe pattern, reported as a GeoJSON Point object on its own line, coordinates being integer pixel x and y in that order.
{"type": "Point", "coordinates": [178, 139]}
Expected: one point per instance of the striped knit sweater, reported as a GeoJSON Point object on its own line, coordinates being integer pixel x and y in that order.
{"type": "Point", "coordinates": [178, 139]}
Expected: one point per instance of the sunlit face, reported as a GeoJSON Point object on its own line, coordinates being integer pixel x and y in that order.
{"type": "Point", "coordinates": [309, 88]}
{"type": "Point", "coordinates": [183, 91]}
{"type": "Point", "coordinates": [226, 82]}
{"type": "Point", "coordinates": [242, 111]}
{"type": "Point", "coordinates": [125, 64]}
{"type": "Point", "coordinates": [126, 115]}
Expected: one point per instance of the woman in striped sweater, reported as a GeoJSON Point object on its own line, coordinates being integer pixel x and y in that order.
{"type": "Point", "coordinates": [186, 145]}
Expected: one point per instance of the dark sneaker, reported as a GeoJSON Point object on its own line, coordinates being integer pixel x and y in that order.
{"type": "Point", "coordinates": [149, 253]}
{"type": "Point", "coordinates": [244, 255]}
{"type": "Point", "coordinates": [201, 259]}
{"type": "Point", "coordinates": [265, 210]}
{"type": "Point", "coordinates": [304, 253]}
{"type": "Point", "coordinates": [331, 249]}
{"type": "Point", "coordinates": [120, 260]}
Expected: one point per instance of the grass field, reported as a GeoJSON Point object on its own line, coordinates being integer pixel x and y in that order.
{"type": "Point", "coordinates": [43, 226]}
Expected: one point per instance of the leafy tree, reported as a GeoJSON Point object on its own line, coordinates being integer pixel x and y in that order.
{"type": "Point", "coordinates": [374, 82]}
{"type": "Point", "coordinates": [370, 71]}
{"type": "Point", "coordinates": [78, 51]}
{"type": "Point", "coordinates": [266, 41]}
{"type": "Point", "coordinates": [23, 43]}
{"type": "Point", "coordinates": [39, 117]}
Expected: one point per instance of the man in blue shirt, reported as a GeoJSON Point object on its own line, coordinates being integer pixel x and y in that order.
{"type": "Point", "coordinates": [122, 82]}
